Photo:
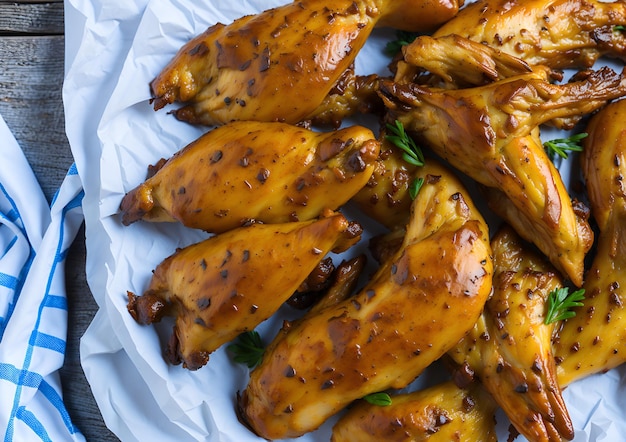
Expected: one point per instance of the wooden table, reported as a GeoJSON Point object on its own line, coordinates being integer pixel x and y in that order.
{"type": "Point", "coordinates": [31, 77]}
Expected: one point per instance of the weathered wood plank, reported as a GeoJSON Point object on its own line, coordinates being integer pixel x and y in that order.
{"type": "Point", "coordinates": [31, 18]}
{"type": "Point", "coordinates": [31, 78]}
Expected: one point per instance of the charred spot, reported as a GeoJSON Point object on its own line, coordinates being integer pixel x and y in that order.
{"type": "Point", "coordinates": [263, 175]}
{"type": "Point", "coordinates": [199, 321]}
{"type": "Point", "coordinates": [217, 155]}
{"type": "Point", "coordinates": [290, 372]}
{"type": "Point", "coordinates": [264, 63]}
{"type": "Point", "coordinates": [356, 163]}
{"type": "Point", "coordinates": [203, 264]}
{"type": "Point", "coordinates": [246, 256]}
{"type": "Point", "coordinates": [327, 384]}
{"type": "Point", "coordinates": [200, 49]}
{"type": "Point", "coordinates": [203, 303]}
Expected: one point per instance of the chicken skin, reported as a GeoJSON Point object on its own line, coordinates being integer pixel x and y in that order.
{"type": "Point", "coordinates": [442, 412]}
{"type": "Point", "coordinates": [416, 307]}
{"type": "Point", "coordinates": [233, 281]}
{"type": "Point", "coordinates": [556, 33]}
{"type": "Point", "coordinates": [595, 339]}
{"type": "Point", "coordinates": [478, 131]}
{"type": "Point", "coordinates": [510, 347]}
{"type": "Point", "coordinates": [254, 171]}
{"type": "Point", "coordinates": [279, 65]}
{"type": "Point", "coordinates": [385, 198]}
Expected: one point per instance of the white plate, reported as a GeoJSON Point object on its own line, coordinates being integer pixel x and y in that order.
{"type": "Point", "coordinates": [114, 49]}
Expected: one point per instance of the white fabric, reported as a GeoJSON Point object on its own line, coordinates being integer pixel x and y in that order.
{"type": "Point", "coordinates": [34, 240]}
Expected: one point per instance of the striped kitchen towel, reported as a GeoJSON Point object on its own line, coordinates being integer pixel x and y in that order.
{"type": "Point", "coordinates": [34, 240]}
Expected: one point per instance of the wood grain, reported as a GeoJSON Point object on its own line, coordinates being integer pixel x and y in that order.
{"type": "Point", "coordinates": [31, 78]}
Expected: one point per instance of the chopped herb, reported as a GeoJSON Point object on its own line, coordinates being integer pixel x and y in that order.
{"type": "Point", "coordinates": [561, 146]}
{"type": "Point", "coordinates": [248, 349]}
{"type": "Point", "coordinates": [412, 154]}
{"type": "Point", "coordinates": [415, 187]}
{"type": "Point", "coordinates": [619, 28]}
{"type": "Point", "coordinates": [380, 399]}
{"type": "Point", "coordinates": [403, 38]}
{"type": "Point", "coordinates": [560, 303]}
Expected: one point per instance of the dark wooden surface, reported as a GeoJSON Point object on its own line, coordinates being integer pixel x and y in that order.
{"type": "Point", "coordinates": [31, 78]}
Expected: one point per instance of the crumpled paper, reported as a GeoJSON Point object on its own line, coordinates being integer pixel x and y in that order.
{"type": "Point", "coordinates": [34, 240]}
{"type": "Point", "coordinates": [116, 47]}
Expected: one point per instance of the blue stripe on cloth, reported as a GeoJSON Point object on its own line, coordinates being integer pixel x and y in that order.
{"type": "Point", "coordinates": [8, 281]}
{"type": "Point", "coordinates": [35, 380]}
{"type": "Point", "coordinates": [11, 244]}
{"type": "Point", "coordinates": [18, 289]}
{"type": "Point", "coordinates": [44, 340]}
{"type": "Point", "coordinates": [55, 301]}
{"type": "Point", "coordinates": [73, 170]}
{"type": "Point", "coordinates": [14, 212]}
{"type": "Point", "coordinates": [31, 420]}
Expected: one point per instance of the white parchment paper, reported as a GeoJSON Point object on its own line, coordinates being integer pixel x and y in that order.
{"type": "Point", "coordinates": [114, 49]}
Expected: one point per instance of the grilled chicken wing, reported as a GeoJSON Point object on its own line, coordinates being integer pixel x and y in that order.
{"type": "Point", "coordinates": [279, 65]}
{"type": "Point", "coordinates": [510, 350]}
{"type": "Point", "coordinates": [556, 33]}
{"type": "Point", "coordinates": [595, 339]}
{"type": "Point", "coordinates": [385, 198]}
{"type": "Point", "coordinates": [442, 412]}
{"type": "Point", "coordinates": [231, 282]}
{"type": "Point", "coordinates": [478, 130]}
{"type": "Point", "coordinates": [268, 172]}
{"type": "Point", "coordinates": [417, 305]}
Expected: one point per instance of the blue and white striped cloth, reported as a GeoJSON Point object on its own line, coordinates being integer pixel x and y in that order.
{"type": "Point", "coordinates": [34, 241]}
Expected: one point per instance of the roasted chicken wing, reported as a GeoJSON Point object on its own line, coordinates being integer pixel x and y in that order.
{"type": "Point", "coordinates": [386, 198]}
{"type": "Point", "coordinates": [478, 130]}
{"type": "Point", "coordinates": [510, 347]}
{"type": "Point", "coordinates": [442, 412]}
{"type": "Point", "coordinates": [595, 339]}
{"type": "Point", "coordinates": [279, 65]}
{"type": "Point", "coordinates": [556, 33]}
{"type": "Point", "coordinates": [233, 281]}
{"type": "Point", "coordinates": [267, 172]}
{"type": "Point", "coordinates": [416, 307]}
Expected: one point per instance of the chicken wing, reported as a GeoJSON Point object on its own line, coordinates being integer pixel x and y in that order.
{"type": "Point", "coordinates": [478, 131]}
{"type": "Point", "coordinates": [416, 306]}
{"type": "Point", "coordinates": [231, 282]}
{"type": "Point", "coordinates": [595, 339]}
{"type": "Point", "coordinates": [442, 412]}
{"type": "Point", "coordinates": [279, 65]}
{"type": "Point", "coordinates": [385, 198]}
{"type": "Point", "coordinates": [268, 172]}
{"type": "Point", "coordinates": [510, 350]}
{"type": "Point", "coordinates": [556, 33]}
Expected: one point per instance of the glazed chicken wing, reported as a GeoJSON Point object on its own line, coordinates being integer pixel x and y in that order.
{"type": "Point", "coordinates": [510, 347]}
{"type": "Point", "coordinates": [556, 33]}
{"type": "Point", "coordinates": [442, 412]}
{"type": "Point", "coordinates": [279, 65]}
{"type": "Point", "coordinates": [385, 198]}
{"type": "Point", "coordinates": [416, 307]}
{"type": "Point", "coordinates": [233, 281]}
{"type": "Point", "coordinates": [268, 172]}
{"type": "Point", "coordinates": [595, 339]}
{"type": "Point", "coordinates": [478, 130]}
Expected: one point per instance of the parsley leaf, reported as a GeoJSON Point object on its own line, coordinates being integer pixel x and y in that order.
{"type": "Point", "coordinates": [380, 399]}
{"type": "Point", "coordinates": [561, 146]}
{"type": "Point", "coordinates": [560, 303]}
{"type": "Point", "coordinates": [415, 187]}
{"type": "Point", "coordinates": [403, 38]}
{"type": "Point", "coordinates": [412, 154]}
{"type": "Point", "coordinates": [248, 349]}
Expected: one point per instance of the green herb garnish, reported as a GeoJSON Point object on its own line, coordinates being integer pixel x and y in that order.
{"type": "Point", "coordinates": [248, 349]}
{"type": "Point", "coordinates": [560, 303]}
{"type": "Point", "coordinates": [415, 187]}
{"type": "Point", "coordinates": [412, 154]}
{"type": "Point", "coordinates": [403, 38]}
{"type": "Point", "coordinates": [381, 399]}
{"type": "Point", "coordinates": [561, 146]}
{"type": "Point", "coordinates": [619, 28]}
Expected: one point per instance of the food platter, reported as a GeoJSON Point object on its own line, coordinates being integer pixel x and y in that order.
{"type": "Point", "coordinates": [115, 49]}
